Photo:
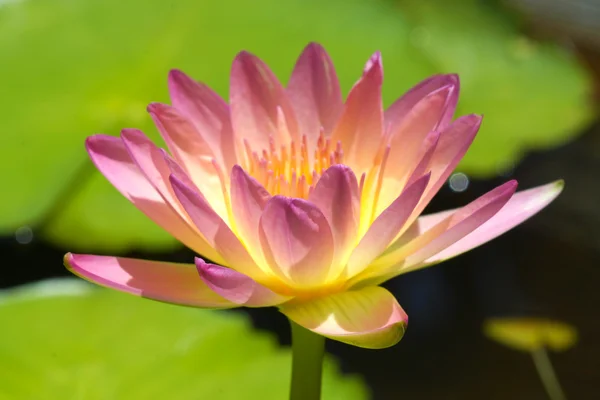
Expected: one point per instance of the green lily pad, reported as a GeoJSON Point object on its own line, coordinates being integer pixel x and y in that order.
{"type": "Point", "coordinates": [68, 340]}
{"type": "Point", "coordinates": [74, 68]}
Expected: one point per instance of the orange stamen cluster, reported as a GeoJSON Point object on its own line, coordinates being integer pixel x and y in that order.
{"type": "Point", "coordinates": [289, 171]}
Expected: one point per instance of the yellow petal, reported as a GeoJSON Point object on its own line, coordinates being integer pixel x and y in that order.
{"type": "Point", "coordinates": [369, 317]}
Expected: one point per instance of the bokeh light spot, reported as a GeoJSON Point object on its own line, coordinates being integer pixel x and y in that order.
{"type": "Point", "coordinates": [24, 235]}
{"type": "Point", "coordinates": [458, 182]}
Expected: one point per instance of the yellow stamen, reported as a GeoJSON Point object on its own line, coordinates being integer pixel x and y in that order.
{"type": "Point", "coordinates": [287, 171]}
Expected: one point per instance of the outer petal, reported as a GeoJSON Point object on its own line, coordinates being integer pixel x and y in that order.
{"type": "Point", "coordinates": [454, 142]}
{"type": "Point", "coordinates": [215, 230]}
{"type": "Point", "coordinates": [410, 251]}
{"type": "Point", "coordinates": [314, 92]}
{"type": "Point", "coordinates": [208, 113]}
{"type": "Point", "coordinates": [154, 165]}
{"type": "Point", "coordinates": [460, 224]}
{"type": "Point", "coordinates": [337, 196]}
{"type": "Point", "coordinates": [257, 103]}
{"type": "Point", "coordinates": [360, 128]}
{"type": "Point", "coordinates": [236, 287]}
{"type": "Point", "coordinates": [519, 208]}
{"type": "Point", "coordinates": [391, 187]}
{"type": "Point", "coordinates": [400, 109]}
{"type": "Point", "coordinates": [425, 155]}
{"type": "Point", "coordinates": [385, 228]}
{"type": "Point", "coordinates": [406, 137]}
{"type": "Point", "coordinates": [191, 151]}
{"type": "Point", "coordinates": [297, 241]}
{"type": "Point", "coordinates": [369, 317]}
{"type": "Point", "coordinates": [112, 158]}
{"type": "Point", "coordinates": [248, 200]}
{"type": "Point", "coordinates": [168, 282]}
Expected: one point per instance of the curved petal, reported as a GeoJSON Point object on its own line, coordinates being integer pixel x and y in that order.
{"type": "Point", "coordinates": [191, 151]}
{"type": "Point", "coordinates": [369, 317]}
{"type": "Point", "coordinates": [296, 240]}
{"type": "Point", "coordinates": [209, 114]}
{"type": "Point", "coordinates": [422, 118]}
{"type": "Point", "coordinates": [425, 155]}
{"type": "Point", "coordinates": [460, 224]}
{"type": "Point", "coordinates": [215, 230]}
{"type": "Point", "coordinates": [236, 287]}
{"type": "Point", "coordinates": [258, 101]}
{"type": "Point", "coordinates": [401, 108]}
{"type": "Point", "coordinates": [452, 145]}
{"type": "Point", "coordinates": [162, 281]}
{"type": "Point", "coordinates": [360, 128]}
{"type": "Point", "coordinates": [407, 253]}
{"type": "Point", "coordinates": [114, 161]}
{"type": "Point", "coordinates": [385, 228]}
{"type": "Point", "coordinates": [409, 134]}
{"type": "Point", "coordinates": [391, 187]}
{"type": "Point", "coordinates": [248, 200]}
{"type": "Point", "coordinates": [314, 92]}
{"type": "Point", "coordinates": [337, 196]}
{"type": "Point", "coordinates": [519, 208]}
{"type": "Point", "coordinates": [153, 164]}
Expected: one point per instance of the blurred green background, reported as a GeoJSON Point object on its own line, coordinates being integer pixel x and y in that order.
{"type": "Point", "coordinates": [74, 68]}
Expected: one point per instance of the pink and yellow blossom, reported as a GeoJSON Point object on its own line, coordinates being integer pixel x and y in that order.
{"type": "Point", "coordinates": [299, 199]}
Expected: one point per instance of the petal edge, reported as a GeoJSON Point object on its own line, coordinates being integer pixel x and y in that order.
{"type": "Point", "coordinates": [161, 281]}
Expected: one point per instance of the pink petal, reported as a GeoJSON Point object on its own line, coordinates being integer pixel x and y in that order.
{"type": "Point", "coordinates": [385, 228]}
{"type": "Point", "coordinates": [412, 249]}
{"type": "Point", "coordinates": [167, 282]}
{"type": "Point", "coordinates": [392, 187]}
{"type": "Point", "coordinates": [215, 230]}
{"type": "Point", "coordinates": [407, 136]}
{"type": "Point", "coordinates": [519, 208]}
{"type": "Point", "coordinates": [191, 151]}
{"type": "Point", "coordinates": [296, 240]}
{"type": "Point", "coordinates": [114, 161]}
{"type": "Point", "coordinates": [337, 196]}
{"type": "Point", "coordinates": [369, 317]}
{"type": "Point", "coordinates": [257, 100]}
{"type": "Point", "coordinates": [454, 142]}
{"type": "Point", "coordinates": [236, 287]}
{"type": "Point", "coordinates": [452, 145]}
{"type": "Point", "coordinates": [151, 161]}
{"type": "Point", "coordinates": [401, 108]}
{"type": "Point", "coordinates": [463, 222]}
{"type": "Point", "coordinates": [208, 113]}
{"type": "Point", "coordinates": [248, 199]}
{"type": "Point", "coordinates": [360, 128]}
{"type": "Point", "coordinates": [314, 92]}
{"type": "Point", "coordinates": [426, 153]}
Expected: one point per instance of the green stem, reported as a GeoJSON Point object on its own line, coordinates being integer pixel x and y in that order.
{"type": "Point", "coordinates": [308, 350]}
{"type": "Point", "coordinates": [547, 374]}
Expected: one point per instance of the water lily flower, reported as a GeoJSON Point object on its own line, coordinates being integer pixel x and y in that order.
{"type": "Point", "coordinates": [299, 199]}
{"type": "Point", "coordinates": [530, 334]}
{"type": "Point", "coordinates": [535, 336]}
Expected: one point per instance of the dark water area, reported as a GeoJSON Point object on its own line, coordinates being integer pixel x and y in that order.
{"type": "Point", "coordinates": [547, 267]}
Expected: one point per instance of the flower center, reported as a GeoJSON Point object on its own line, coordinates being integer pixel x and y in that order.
{"type": "Point", "coordinates": [292, 170]}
